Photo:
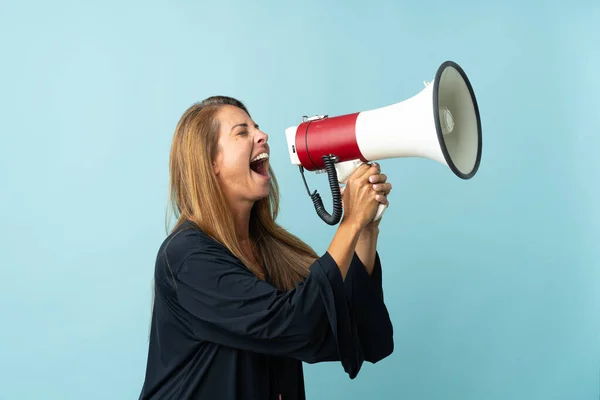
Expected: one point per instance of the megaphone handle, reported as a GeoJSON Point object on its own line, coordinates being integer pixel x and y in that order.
{"type": "Point", "coordinates": [344, 170]}
{"type": "Point", "coordinates": [380, 211]}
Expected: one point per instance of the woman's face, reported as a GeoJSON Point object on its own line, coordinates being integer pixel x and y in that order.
{"type": "Point", "coordinates": [242, 159]}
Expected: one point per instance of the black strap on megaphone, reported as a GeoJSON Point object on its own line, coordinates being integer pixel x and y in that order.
{"type": "Point", "coordinates": [335, 217]}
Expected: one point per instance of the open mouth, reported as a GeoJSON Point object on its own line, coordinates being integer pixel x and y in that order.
{"type": "Point", "coordinates": [260, 164]}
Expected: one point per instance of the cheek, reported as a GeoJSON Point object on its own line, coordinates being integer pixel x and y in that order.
{"type": "Point", "coordinates": [234, 167]}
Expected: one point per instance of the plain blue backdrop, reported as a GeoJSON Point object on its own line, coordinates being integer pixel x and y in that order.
{"type": "Point", "coordinates": [493, 284]}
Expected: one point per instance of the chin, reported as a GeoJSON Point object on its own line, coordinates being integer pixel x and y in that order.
{"type": "Point", "coordinates": [262, 194]}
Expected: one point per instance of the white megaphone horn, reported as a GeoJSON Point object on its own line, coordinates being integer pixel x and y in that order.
{"type": "Point", "coordinates": [441, 123]}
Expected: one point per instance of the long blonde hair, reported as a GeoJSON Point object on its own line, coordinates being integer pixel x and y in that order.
{"type": "Point", "coordinates": [196, 196]}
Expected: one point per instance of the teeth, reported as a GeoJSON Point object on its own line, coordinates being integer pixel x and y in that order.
{"type": "Point", "coordinates": [260, 157]}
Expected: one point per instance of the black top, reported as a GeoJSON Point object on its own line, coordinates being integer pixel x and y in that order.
{"type": "Point", "coordinates": [220, 333]}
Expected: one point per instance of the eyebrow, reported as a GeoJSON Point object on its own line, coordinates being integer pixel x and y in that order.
{"type": "Point", "coordinates": [245, 125]}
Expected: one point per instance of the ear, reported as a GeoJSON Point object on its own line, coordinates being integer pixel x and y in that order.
{"type": "Point", "coordinates": [216, 164]}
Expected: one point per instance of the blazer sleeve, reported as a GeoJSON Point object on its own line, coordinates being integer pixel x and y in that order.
{"type": "Point", "coordinates": [228, 305]}
{"type": "Point", "coordinates": [365, 295]}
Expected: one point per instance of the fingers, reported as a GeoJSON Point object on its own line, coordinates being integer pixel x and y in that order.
{"type": "Point", "coordinates": [381, 195]}
{"type": "Point", "coordinates": [382, 199]}
{"type": "Point", "coordinates": [371, 173]}
{"type": "Point", "coordinates": [365, 170]}
{"type": "Point", "coordinates": [378, 178]}
{"type": "Point", "coordinates": [381, 187]}
{"type": "Point", "coordinates": [384, 188]}
{"type": "Point", "coordinates": [375, 175]}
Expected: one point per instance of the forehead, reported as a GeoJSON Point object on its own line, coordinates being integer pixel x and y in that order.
{"type": "Point", "coordinates": [230, 116]}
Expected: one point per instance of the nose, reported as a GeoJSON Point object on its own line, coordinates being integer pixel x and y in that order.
{"type": "Point", "coordinates": [261, 137]}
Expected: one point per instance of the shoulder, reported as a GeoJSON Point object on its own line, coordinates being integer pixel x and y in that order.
{"type": "Point", "coordinates": [185, 241]}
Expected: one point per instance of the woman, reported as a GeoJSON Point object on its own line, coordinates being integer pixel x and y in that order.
{"type": "Point", "coordinates": [239, 302]}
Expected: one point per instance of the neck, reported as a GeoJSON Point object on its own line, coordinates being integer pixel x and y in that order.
{"type": "Point", "coordinates": [241, 219]}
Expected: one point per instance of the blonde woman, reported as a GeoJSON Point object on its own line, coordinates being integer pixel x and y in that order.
{"type": "Point", "coordinates": [239, 302]}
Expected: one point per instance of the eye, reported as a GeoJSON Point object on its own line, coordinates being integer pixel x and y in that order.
{"type": "Point", "coordinates": [242, 133]}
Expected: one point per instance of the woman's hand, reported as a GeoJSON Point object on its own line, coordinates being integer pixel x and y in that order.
{"type": "Point", "coordinates": [382, 188]}
{"type": "Point", "coordinates": [359, 200]}
{"type": "Point", "coordinates": [379, 186]}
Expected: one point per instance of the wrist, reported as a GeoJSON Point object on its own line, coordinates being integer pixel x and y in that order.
{"type": "Point", "coordinates": [371, 231]}
{"type": "Point", "coordinates": [354, 228]}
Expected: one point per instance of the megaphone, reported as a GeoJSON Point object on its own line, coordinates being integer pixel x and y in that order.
{"type": "Point", "coordinates": [440, 123]}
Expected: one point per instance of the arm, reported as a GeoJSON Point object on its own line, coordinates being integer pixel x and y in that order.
{"type": "Point", "coordinates": [366, 247]}
{"type": "Point", "coordinates": [226, 304]}
{"type": "Point", "coordinates": [343, 244]}
{"type": "Point", "coordinates": [365, 293]}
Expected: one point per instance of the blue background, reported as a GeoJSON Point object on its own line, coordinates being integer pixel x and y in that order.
{"type": "Point", "coordinates": [492, 284]}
